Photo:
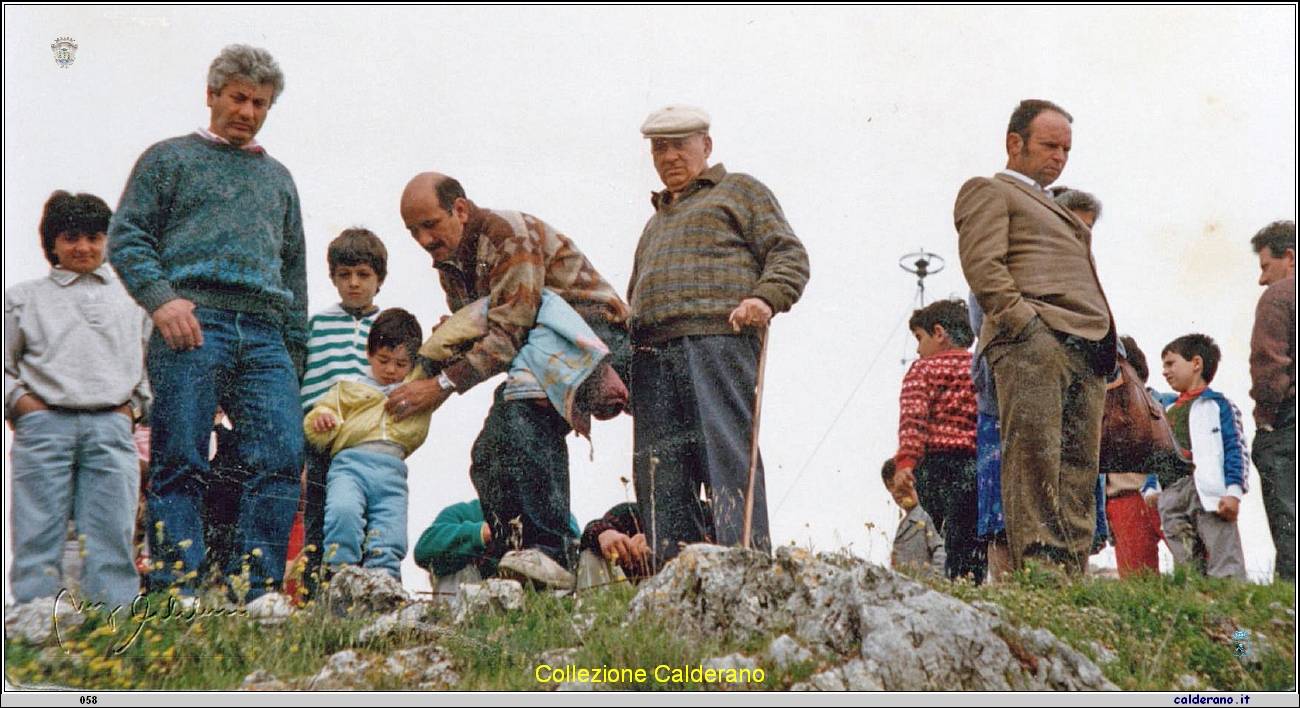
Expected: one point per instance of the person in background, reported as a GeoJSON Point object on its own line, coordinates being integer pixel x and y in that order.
{"type": "Point", "coordinates": [918, 544]}
{"type": "Point", "coordinates": [1134, 522]}
{"type": "Point", "coordinates": [455, 549]}
{"type": "Point", "coordinates": [614, 548]}
{"type": "Point", "coordinates": [1272, 376]}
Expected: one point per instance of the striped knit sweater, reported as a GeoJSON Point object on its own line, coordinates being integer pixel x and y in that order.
{"type": "Point", "coordinates": [217, 225]}
{"type": "Point", "coordinates": [336, 350]}
{"type": "Point", "coordinates": [722, 240]}
{"type": "Point", "coordinates": [936, 409]}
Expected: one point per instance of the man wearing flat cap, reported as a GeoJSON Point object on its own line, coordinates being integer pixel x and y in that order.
{"type": "Point", "coordinates": [715, 262]}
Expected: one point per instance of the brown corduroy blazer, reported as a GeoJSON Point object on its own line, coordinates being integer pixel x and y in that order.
{"type": "Point", "coordinates": [1024, 255]}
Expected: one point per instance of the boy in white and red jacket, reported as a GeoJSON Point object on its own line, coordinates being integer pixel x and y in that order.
{"type": "Point", "coordinates": [1198, 512]}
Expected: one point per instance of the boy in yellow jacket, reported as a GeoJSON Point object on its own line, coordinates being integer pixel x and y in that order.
{"type": "Point", "coordinates": [366, 490]}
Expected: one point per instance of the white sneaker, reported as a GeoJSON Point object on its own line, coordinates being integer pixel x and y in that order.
{"type": "Point", "coordinates": [272, 605]}
{"type": "Point", "coordinates": [188, 602]}
{"type": "Point", "coordinates": [532, 564]}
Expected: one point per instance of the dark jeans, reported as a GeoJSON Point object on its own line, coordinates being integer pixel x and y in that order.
{"type": "Point", "coordinates": [520, 468]}
{"type": "Point", "coordinates": [243, 366]}
{"type": "Point", "coordinates": [693, 399]}
{"type": "Point", "coordinates": [946, 484]}
{"type": "Point", "coordinates": [222, 488]}
{"type": "Point", "coordinates": [1274, 456]}
{"type": "Point", "coordinates": [313, 517]}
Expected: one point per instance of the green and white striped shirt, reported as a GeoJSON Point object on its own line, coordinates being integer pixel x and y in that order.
{"type": "Point", "coordinates": [336, 350]}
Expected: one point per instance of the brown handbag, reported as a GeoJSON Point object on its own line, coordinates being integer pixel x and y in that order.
{"type": "Point", "coordinates": [1135, 434]}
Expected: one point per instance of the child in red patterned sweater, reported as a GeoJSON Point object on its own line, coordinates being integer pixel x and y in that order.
{"type": "Point", "coordinates": [936, 432]}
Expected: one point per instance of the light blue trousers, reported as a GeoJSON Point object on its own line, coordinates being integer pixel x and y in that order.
{"type": "Point", "coordinates": [83, 465]}
{"type": "Point", "coordinates": [365, 511]}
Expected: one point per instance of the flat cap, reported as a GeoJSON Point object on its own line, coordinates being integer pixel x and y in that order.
{"type": "Point", "coordinates": [675, 122]}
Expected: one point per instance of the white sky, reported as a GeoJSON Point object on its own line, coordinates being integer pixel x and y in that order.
{"type": "Point", "coordinates": [863, 121]}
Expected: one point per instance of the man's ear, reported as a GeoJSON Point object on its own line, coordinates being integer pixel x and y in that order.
{"type": "Point", "coordinates": [460, 209]}
{"type": "Point", "coordinates": [1015, 143]}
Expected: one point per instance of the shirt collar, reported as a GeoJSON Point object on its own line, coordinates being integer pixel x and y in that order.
{"type": "Point", "coordinates": [1023, 178]}
{"type": "Point", "coordinates": [251, 146]}
{"type": "Point", "coordinates": [67, 277]}
{"type": "Point", "coordinates": [711, 176]}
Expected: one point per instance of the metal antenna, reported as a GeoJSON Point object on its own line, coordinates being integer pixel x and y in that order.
{"type": "Point", "coordinates": [922, 264]}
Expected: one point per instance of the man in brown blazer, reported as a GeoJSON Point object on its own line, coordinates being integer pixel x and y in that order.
{"type": "Point", "coordinates": [1048, 335]}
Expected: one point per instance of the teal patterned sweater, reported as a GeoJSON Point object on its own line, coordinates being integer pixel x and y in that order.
{"type": "Point", "coordinates": [216, 225]}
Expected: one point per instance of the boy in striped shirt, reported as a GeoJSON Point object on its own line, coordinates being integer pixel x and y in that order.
{"type": "Point", "coordinates": [336, 350]}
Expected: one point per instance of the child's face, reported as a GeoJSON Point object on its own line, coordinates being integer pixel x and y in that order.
{"type": "Point", "coordinates": [79, 253]}
{"type": "Point", "coordinates": [357, 285]}
{"type": "Point", "coordinates": [389, 365]}
{"type": "Point", "coordinates": [1182, 375]}
{"type": "Point", "coordinates": [927, 343]}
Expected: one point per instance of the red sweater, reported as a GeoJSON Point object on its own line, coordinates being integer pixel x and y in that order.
{"type": "Point", "coordinates": [936, 409]}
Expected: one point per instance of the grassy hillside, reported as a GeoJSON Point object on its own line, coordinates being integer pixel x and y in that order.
{"type": "Point", "coordinates": [1159, 633]}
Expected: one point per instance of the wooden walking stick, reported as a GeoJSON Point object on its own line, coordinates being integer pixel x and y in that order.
{"type": "Point", "coordinates": [753, 439]}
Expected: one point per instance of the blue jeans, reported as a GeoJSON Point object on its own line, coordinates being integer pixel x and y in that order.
{"type": "Point", "coordinates": [365, 511]}
{"type": "Point", "coordinates": [81, 464]}
{"type": "Point", "coordinates": [243, 367]}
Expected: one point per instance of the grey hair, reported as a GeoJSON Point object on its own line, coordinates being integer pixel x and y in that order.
{"type": "Point", "coordinates": [1079, 200]}
{"type": "Point", "coordinates": [240, 61]}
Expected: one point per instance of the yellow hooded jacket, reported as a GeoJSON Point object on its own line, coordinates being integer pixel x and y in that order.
{"type": "Point", "coordinates": [359, 409]}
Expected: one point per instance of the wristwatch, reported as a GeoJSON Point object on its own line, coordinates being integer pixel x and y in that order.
{"type": "Point", "coordinates": [445, 383]}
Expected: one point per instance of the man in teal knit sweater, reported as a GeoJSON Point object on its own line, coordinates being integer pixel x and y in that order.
{"type": "Point", "coordinates": [208, 238]}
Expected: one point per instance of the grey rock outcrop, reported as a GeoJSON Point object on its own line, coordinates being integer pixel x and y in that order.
{"type": "Point", "coordinates": [491, 595]}
{"type": "Point", "coordinates": [355, 589]}
{"type": "Point", "coordinates": [35, 621]}
{"type": "Point", "coordinates": [893, 632]}
{"type": "Point", "coordinates": [857, 675]}
{"type": "Point", "coordinates": [784, 651]}
{"type": "Point", "coordinates": [730, 661]}
{"type": "Point", "coordinates": [429, 668]}
{"type": "Point", "coordinates": [426, 668]}
{"type": "Point", "coordinates": [412, 619]}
